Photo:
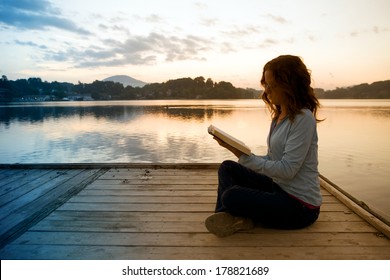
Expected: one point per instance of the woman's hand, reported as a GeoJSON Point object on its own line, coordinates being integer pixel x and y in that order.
{"type": "Point", "coordinates": [235, 151]}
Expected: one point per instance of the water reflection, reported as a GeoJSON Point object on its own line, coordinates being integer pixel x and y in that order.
{"type": "Point", "coordinates": [353, 140]}
{"type": "Point", "coordinates": [34, 114]}
{"type": "Point", "coordinates": [172, 132]}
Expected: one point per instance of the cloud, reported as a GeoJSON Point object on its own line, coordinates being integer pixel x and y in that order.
{"type": "Point", "coordinates": [240, 31]}
{"type": "Point", "coordinates": [136, 50]}
{"type": "Point", "coordinates": [201, 6]}
{"type": "Point", "coordinates": [27, 5]}
{"type": "Point", "coordinates": [269, 42]}
{"type": "Point", "coordinates": [209, 22]}
{"type": "Point", "coordinates": [378, 30]}
{"type": "Point", "coordinates": [278, 19]}
{"type": "Point", "coordinates": [30, 44]}
{"type": "Point", "coordinates": [35, 14]}
{"type": "Point", "coordinates": [114, 27]}
{"type": "Point", "coordinates": [374, 30]}
{"type": "Point", "coordinates": [152, 18]}
{"type": "Point", "coordinates": [227, 47]}
{"type": "Point", "coordinates": [312, 38]}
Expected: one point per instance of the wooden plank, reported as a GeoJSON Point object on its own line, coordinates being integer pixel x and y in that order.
{"type": "Point", "coordinates": [23, 217]}
{"type": "Point", "coordinates": [102, 252]}
{"type": "Point", "coordinates": [121, 216]}
{"type": "Point", "coordinates": [129, 176]}
{"type": "Point", "coordinates": [19, 186]}
{"type": "Point", "coordinates": [68, 216]}
{"type": "Point", "coordinates": [162, 175]}
{"type": "Point", "coordinates": [97, 185]}
{"type": "Point", "coordinates": [166, 180]}
{"type": "Point", "coordinates": [9, 173]}
{"type": "Point", "coordinates": [159, 172]}
{"type": "Point", "coordinates": [167, 168]}
{"type": "Point", "coordinates": [37, 192]}
{"type": "Point", "coordinates": [338, 216]}
{"type": "Point", "coordinates": [92, 190]}
{"type": "Point", "coordinates": [178, 207]}
{"type": "Point", "coordinates": [6, 184]}
{"type": "Point", "coordinates": [150, 197]}
{"type": "Point", "coordinates": [158, 212]}
{"type": "Point", "coordinates": [143, 199]}
{"type": "Point", "coordinates": [117, 185]}
{"type": "Point", "coordinates": [371, 219]}
{"type": "Point", "coordinates": [168, 207]}
{"type": "Point", "coordinates": [130, 184]}
{"type": "Point", "coordinates": [282, 239]}
{"type": "Point", "coordinates": [147, 192]}
{"type": "Point", "coordinates": [35, 188]}
{"type": "Point", "coordinates": [182, 227]}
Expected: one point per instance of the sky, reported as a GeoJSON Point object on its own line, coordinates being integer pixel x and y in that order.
{"type": "Point", "coordinates": [342, 42]}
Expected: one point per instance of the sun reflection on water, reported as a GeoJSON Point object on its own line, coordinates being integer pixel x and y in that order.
{"type": "Point", "coordinates": [353, 140]}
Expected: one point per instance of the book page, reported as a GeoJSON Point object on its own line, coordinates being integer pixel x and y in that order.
{"type": "Point", "coordinates": [227, 138]}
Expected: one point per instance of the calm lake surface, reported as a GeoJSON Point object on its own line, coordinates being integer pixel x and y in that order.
{"type": "Point", "coordinates": [354, 146]}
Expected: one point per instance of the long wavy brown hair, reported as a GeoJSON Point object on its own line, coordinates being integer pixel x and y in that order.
{"type": "Point", "coordinates": [291, 75]}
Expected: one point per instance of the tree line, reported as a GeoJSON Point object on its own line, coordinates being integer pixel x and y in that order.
{"type": "Point", "coordinates": [376, 90]}
{"type": "Point", "coordinates": [184, 88]}
{"type": "Point", "coordinates": [11, 90]}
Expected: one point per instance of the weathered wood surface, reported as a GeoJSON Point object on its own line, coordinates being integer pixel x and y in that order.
{"type": "Point", "coordinates": [155, 212]}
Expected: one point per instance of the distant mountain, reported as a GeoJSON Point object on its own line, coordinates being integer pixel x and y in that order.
{"type": "Point", "coordinates": [125, 80]}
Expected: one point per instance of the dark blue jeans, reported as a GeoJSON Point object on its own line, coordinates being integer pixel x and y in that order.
{"type": "Point", "coordinates": [243, 192]}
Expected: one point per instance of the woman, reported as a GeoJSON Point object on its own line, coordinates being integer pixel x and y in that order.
{"type": "Point", "coordinates": [280, 189]}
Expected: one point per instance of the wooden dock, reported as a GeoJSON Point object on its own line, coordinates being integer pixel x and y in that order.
{"type": "Point", "coordinates": [157, 211]}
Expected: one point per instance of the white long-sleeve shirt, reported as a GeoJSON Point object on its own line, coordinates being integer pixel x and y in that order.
{"type": "Point", "coordinates": [292, 158]}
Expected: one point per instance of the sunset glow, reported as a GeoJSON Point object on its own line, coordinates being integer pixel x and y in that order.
{"type": "Point", "coordinates": [343, 42]}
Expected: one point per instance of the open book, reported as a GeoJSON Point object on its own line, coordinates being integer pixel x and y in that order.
{"type": "Point", "coordinates": [222, 135]}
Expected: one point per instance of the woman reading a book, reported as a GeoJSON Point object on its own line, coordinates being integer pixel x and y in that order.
{"type": "Point", "coordinates": [280, 189]}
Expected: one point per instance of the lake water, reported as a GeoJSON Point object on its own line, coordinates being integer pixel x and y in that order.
{"type": "Point", "coordinates": [354, 146]}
